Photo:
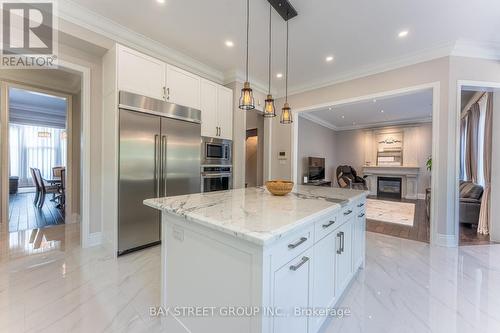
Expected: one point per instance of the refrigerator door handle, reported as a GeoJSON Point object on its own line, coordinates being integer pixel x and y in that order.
{"type": "Point", "coordinates": [157, 166]}
{"type": "Point", "coordinates": [164, 163]}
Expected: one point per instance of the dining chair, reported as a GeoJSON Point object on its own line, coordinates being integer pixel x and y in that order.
{"type": "Point", "coordinates": [37, 186]}
{"type": "Point", "coordinates": [56, 171]}
{"type": "Point", "coordinates": [44, 188]}
{"type": "Point", "coordinates": [61, 197]}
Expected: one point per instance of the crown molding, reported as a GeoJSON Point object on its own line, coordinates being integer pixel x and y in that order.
{"type": "Point", "coordinates": [473, 49]}
{"type": "Point", "coordinates": [440, 51]}
{"type": "Point", "coordinates": [239, 76]}
{"type": "Point", "coordinates": [79, 15]}
{"type": "Point", "coordinates": [321, 122]}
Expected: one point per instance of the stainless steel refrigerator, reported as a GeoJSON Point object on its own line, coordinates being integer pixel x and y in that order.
{"type": "Point", "coordinates": [159, 155]}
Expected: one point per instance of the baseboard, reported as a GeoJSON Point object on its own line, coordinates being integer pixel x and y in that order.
{"type": "Point", "coordinates": [94, 239]}
{"type": "Point", "coordinates": [445, 240]}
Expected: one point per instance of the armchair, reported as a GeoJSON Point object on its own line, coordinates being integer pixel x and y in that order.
{"type": "Point", "coordinates": [347, 177]}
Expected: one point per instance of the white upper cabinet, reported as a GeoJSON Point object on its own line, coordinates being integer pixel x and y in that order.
{"type": "Point", "coordinates": [209, 122]}
{"type": "Point", "coordinates": [225, 112]}
{"type": "Point", "coordinates": [182, 87]}
{"type": "Point", "coordinates": [140, 74]}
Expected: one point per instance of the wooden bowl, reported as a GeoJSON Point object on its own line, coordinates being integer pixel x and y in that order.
{"type": "Point", "coordinates": [279, 187]}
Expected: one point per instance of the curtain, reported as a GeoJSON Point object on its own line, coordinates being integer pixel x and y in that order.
{"type": "Point", "coordinates": [35, 147]}
{"type": "Point", "coordinates": [471, 143]}
{"type": "Point", "coordinates": [463, 139]}
{"type": "Point", "coordinates": [484, 215]}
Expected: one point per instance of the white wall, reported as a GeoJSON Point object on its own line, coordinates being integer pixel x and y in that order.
{"type": "Point", "coordinates": [316, 141]}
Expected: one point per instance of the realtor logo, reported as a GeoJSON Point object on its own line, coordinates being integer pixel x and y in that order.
{"type": "Point", "coordinates": [28, 34]}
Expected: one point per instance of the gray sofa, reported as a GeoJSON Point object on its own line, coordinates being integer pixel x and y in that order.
{"type": "Point", "coordinates": [470, 202]}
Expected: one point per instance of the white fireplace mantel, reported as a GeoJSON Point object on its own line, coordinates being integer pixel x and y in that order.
{"type": "Point", "coordinates": [409, 178]}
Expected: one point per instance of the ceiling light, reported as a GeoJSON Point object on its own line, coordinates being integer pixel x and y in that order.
{"type": "Point", "coordinates": [374, 101]}
{"type": "Point", "coordinates": [279, 75]}
{"type": "Point", "coordinates": [286, 111]}
{"type": "Point", "coordinates": [161, 1]}
{"type": "Point", "coordinates": [330, 109]}
{"type": "Point", "coordinates": [343, 117]}
{"type": "Point", "coordinates": [247, 101]}
{"type": "Point", "coordinates": [382, 111]}
{"type": "Point", "coordinates": [403, 34]}
{"type": "Point", "coordinates": [229, 43]}
{"type": "Point", "coordinates": [269, 109]}
{"type": "Point", "coordinates": [329, 59]}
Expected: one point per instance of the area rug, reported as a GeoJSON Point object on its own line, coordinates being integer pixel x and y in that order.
{"type": "Point", "coordinates": [390, 211]}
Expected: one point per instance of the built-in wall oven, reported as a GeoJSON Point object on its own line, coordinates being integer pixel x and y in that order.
{"type": "Point", "coordinates": [216, 151]}
{"type": "Point", "coordinates": [216, 178]}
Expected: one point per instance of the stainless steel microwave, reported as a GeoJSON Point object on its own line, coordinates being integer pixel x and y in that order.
{"type": "Point", "coordinates": [216, 151]}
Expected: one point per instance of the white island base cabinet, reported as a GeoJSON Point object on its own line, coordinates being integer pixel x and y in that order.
{"type": "Point", "coordinates": [215, 282]}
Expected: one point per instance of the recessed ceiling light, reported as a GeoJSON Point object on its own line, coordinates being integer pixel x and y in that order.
{"type": "Point", "coordinates": [343, 117]}
{"type": "Point", "coordinates": [329, 59]}
{"type": "Point", "coordinates": [229, 43]}
{"type": "Point", "coordinates": [279, 75]}
{"type": "Point", "coordinates": [354, 123]}
{"type": "Point", "coordinates": [374, 100]}
{"type": "Point", "coordinates": [161, 1]}
{"type": "Point", "coordinates": [382, 111]}
{"type": "Point", "coordinates": [403, 34]}
{"type": "Point", "coordinates": [330, 109]}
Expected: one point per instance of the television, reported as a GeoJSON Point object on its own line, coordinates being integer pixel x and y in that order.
{"type": "Point", "coordinates": [316, 169]}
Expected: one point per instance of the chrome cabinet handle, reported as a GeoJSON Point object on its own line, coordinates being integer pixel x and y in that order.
{"type": "Point", "coordinates": [168, 94]}
{"type": "Point", "coordinates": [342, 242]}
{"type": "Point", "coordinates": [302, 262]}
{"type": "Point", "coordinates": [329, 224]}
{"type": "Point", "coordinates": [348, 212]}
{"type": "Point", "coordinates": [361, 215]}
{"type": "Point", "coordinates": [339, 250]}
{"type": "Point", "coordinates": [164, 163]}
{"type": "Point", "coordinates": [361, 205]}
{"type": "Point", "coordinates": [299, 242]}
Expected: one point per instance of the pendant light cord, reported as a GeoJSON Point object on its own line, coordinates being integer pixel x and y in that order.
{"type": "Point", "coordinates": [270, 43]}
{"type": "Point", "coordinates": [248, 29]}
{"type": "Point", "coordinates": [286, 79]}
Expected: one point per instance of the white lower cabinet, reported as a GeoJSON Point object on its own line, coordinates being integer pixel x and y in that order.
{"type": "Point", "coordinates": [358, 239]}
{"type": "Point", "coordinates": [324, 295]}
{"type": "Point", "coordinates": [292, 290]}
{"type": "Point", "coordinates": [343, 258]}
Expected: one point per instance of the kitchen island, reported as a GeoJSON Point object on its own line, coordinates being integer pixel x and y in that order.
{"type": "Point", "coordinates": [247, 261]}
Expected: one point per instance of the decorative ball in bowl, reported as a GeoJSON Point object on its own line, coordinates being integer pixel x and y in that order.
{"type": "Point", "coordinates": [279, 187]}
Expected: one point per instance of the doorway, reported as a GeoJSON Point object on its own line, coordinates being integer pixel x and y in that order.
{"type": "Point", "coordinates": [39, 125]}
{"type": "Point", "coordinates": [254, 147]}
{"type": "Point", "coordinates": [477, 117]}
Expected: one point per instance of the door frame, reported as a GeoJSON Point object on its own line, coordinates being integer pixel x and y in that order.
{"type": "Point", "coordinates": [435, 237]}
{"type": "Point", "coordinates": [86, 238]}
{"type": "Point", "coordinates": [458, 113]}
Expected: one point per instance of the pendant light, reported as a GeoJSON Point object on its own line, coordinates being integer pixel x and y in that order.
{"type": "Point", "coordinates": [286, 111]}
{"type": "Point", "coordinates": [269, 109]}
{"type": "Point", "coordinates": [246, 100]}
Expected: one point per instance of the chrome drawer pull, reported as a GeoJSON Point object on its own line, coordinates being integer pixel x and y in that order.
{"type": "Point", "coordinates": [342, 238]}
{"type": "Point", "coordinates": [348, 212]}
{"type": "Point", "coordinates": [302, 262]}
{"type": "Point", "coordinates": [339, 250]}
{"type": "Point", "coordinates": [361, 215]}
{"type": "Point", "coordinates": [361, 205]}
{"type": "Point", "coordinates": [294, 245]}
{"type": "Point", "coordinates": [329, 224]}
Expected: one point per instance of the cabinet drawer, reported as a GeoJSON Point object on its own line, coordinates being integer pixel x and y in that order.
{"type": "Point", "coordinates": [292, 246]}
{"type": "Point", "coordinates": [326, 225]}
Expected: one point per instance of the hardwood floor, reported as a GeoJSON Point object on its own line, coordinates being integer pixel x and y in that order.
{"type": "Point", "coordinates": [469, 236]}
{"type": "Point", "coordinates": [24, 215]}
{"type": "Point", "coordinates": [420, 231]}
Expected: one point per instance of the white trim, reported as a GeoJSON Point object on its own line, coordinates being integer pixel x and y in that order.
{"type": "Point", "coordinates": [79, 15]}
{"type": "Point", "coordinates": [436, 100]}
{"type": "Point", "coordinates": [445, 240]}
{"type": "Point", "coordinates": [474, 49]}
{"type": "Point", "coordinates": [458, 112]}
{"type": "Point", "coordinates": [317, 120]}
{"type": "Point", "coordinates": [94, 239]}
{"type": "Point", "coordinates": [85, 151]}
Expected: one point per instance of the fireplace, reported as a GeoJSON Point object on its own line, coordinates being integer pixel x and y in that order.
{"type": "Point", "coordinates": [389, 187]}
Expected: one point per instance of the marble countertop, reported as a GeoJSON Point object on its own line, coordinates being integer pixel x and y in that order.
{"type": "Point", "coordinates": [253, 213]}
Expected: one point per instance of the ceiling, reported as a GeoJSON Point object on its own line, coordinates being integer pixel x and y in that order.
{"type": "Point", "coordinates": [397, 109]}
{"type": "Point", "coordinates": [361, 35]}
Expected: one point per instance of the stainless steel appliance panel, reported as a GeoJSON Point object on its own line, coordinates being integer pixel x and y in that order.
{"type": "Point", "coordinates": [139, 164]}
{"type": "Point", "coordinates": [180, 142]}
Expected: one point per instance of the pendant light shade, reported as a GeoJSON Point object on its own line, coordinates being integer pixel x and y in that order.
{"type": "Point", "coordinates": [247, 101]}
{"type": "Point", "coordinates": [269, 109]}
{"type": "Point", "coordinates": [286, 111]}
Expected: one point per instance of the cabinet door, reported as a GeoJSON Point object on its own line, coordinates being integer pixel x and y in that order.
{"type": "Point", "coordinates": [183, 88]}
{"type": "Point", "coordinates": [140, 74]}
{"type": "Point", "coordinates": [292, 288]}
{"type": "Point", "coordinates": [225, 112]}
{"type": "Point", "coordinates": [344, 256]}
{"type": "Point", "coordinates": [358, 243]}
{"type": "Point", "coordinates": [209, 122]}
{"type": "Point", "coordinates": [323, 277]}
